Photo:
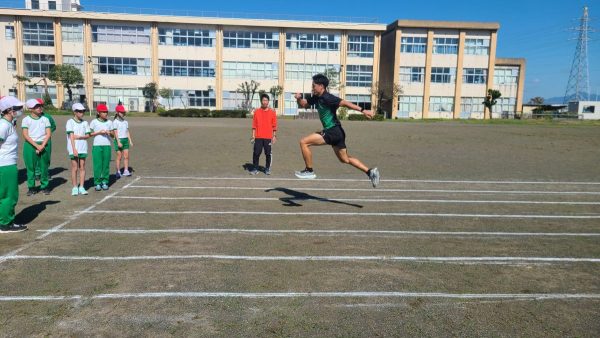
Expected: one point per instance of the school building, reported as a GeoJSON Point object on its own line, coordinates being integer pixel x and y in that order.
{"type": "Point", "coordinates": [443, 68]}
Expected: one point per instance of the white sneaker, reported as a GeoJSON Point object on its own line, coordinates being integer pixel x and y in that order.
{"type": "Point", "coordinates": [75, 191]}
{"type": "Point", "coordinates": [374, 177]}
{"type": "Point", "coordinates": [126, 173]}
{"type": "Point", "coordinates": [306, 175]}
{"type": "Point", "coordinates": [82, 191]}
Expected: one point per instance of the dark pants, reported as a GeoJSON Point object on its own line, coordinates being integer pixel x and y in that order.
{"type": "Point", "coordinates": [259, 145]}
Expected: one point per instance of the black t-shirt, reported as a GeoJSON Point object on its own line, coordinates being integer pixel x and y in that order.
{"type": "Point", "coordinates": [327, 106]}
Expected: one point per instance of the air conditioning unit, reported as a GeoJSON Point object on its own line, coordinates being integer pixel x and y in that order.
{"type": "Point", "coordinates": [96, 82]}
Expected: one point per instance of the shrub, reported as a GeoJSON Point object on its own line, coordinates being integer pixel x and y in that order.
{"type": "Point", "coordinates": [342, 113]}
{"type": "Point", "coordinates": [361, 117]}
{"type": "Point", "coordinates": [195, 112]}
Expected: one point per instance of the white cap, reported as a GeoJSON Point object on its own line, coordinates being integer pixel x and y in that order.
{"type": "Point", "coordinates": [31, 103]}
{"type": "Point", "coordinates": [9, 102]}
{"type": "Point", "coordinates": [78, 106]}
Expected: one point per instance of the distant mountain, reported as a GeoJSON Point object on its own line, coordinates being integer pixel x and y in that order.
{"type": "Point", "coordinates": [559, 99]}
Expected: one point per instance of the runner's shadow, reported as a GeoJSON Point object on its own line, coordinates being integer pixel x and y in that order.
{"type": "Point", "coordinates": [295, 195]}
{"type": "Point", "coordinates": [30, 213]}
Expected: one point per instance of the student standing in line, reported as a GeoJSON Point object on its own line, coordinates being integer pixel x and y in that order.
{"type": "Point", "coordinates": [101, 129]}
{"type": "Point", "coordinates": [264, 128]}
{"type": "Point", "coordinates": [10, 109]}
{"type": "Point", "coordinates": [332, 133]}
{"type": "Point", "coordinates": [49, 145]}
{"type": "Point", "coordinates": [36, 132]}
{"type": "Point", "coordinates": [78, 131]}
{"type": "Point", "coordinates": [122, 140]}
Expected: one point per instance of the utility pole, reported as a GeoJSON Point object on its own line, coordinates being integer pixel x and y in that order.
{"type": "Point", "coordinates": [578, 87]}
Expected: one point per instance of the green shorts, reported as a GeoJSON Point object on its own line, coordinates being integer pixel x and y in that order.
{"type": "Point", "coordinates": [82, 155]}
{"type": "Point", "coordinates": [124, 143]}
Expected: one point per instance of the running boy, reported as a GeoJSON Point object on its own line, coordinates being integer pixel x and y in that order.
{"type": "Point", "coordinates": [78, 131]}
{"type": "Point", "coordinates": [122, 141]}
{"type": "Point", "coordinates": [36, 132]}
{"type": "Point", "coordinates": [332, 133]}
{"type": "Point", "coordinates": [264, 127]}
{"type": "Point", "coordinates": [101, 129]}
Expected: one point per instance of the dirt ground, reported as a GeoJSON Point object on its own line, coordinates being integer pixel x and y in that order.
{"type": "Point", "coordinates": [476, 230]}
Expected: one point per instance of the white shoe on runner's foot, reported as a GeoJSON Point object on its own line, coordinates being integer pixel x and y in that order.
{"type": "Point", "coordinates": [374, 177]}
{"type": "Point", "coordinates": [306, 175]}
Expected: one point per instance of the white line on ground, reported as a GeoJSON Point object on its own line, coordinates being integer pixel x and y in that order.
{"type": "Point", "coordinates": [327, 232]}
{"type": "Point", "coordinates": [316, 258]}
{"type": "Point", "coordinates": [60, 226]}
{"type": "Point", "coordinates": [366, 200]}
{"type": "Point", "coordinates": [363, 294]}
{"type": "Point", "coordinates": [453, 191]}
{"type": "Point", "coordinates": [378, 214]}
{"type": "Point", "coordinates": [365, 179]}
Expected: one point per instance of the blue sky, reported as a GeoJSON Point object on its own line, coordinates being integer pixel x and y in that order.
{"type": "Point", "coordinates": [533, 29]}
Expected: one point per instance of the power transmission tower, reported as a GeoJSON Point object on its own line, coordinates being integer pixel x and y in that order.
{"type": "Point", "coordinates": [578, 87]}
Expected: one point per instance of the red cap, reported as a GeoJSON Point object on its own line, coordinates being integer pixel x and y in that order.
{"type": "Point", "coordinates": [102, 108]}
{"type": "Point", "coordinates": [40, 101]}
{"type": "Point", "coordinates": [120, 109]}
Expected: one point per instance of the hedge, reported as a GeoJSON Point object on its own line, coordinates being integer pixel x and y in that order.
{"type": "Point", "coordinates": [194, 112]}
{"type": "Point", "coordinates": [361, 117]}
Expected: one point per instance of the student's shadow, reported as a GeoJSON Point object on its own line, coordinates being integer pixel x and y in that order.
{"type": "Point", "coordinates": [22, 174]}
{"type": "Point", "coordinates": [250, 166]}
{"type": "Point", "coordinates": [295, 195]}
{"type": "Point", "coordinates": [30, 213]}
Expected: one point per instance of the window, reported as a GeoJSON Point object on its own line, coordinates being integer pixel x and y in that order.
{"type": "Point", "coordinates": [251, 70]}
{"type": "Point", "coordinates": [443, 75]}
{"type": "Point", "coordinates": [202, 98]}
{"type": "Point", "coordinates": [72, 32]}
{"type": "Point", "coordinates": [38, 34]}
{"type": "Point", "coordinates": [409, 104]}
{"type": "Point", "coordinates": [34, 92]}
{"type": "Point", "coordinates": [74, 60]}
{"type": "Point", "coordinates": [359, 76]}
{"type": "Point", "coordinates": [263, 40]}
{"type": "Point", "coordinates": [475, 75]}
{"type": "Point", "coordinates": [413, 44]}
{"type": "Point", "coordinates": [191, 68]}
{"type": "Point", "coordinates": [235, 100]}
{"type": "Point", "coordinates": [35, 4]}
{"type": "Point", "coordinates": [291, 105]}
{"type": "Point", "coordinates": [120, 34]}
{"type": "Point", "coordinates": [477, 46]}
{"type": "Point", "coordinates": [38, 65]}
{"type": "Point", "coordinates": [506, 76]}
{"type": "Point", "coordinates": [121, 66]}
{"type": "Point", "coordinates": [301, 71]}
{"type": "Point", "coordinates": [412, 74]}
{"type": "Point", "coordinates": [469, 105]}
{"type": "Point", "coordinates": [445, 46]}
{"type": "Point", "coordinates": [52, 5]}
{"type": "Point", "coordinates": [505, 105]}
{"type": "Point", "coordinates": [186, 37]}
{"type": "Point", "coordinates": [313, 41]}
{"type": "Point", "coordinates": [589, 109]}
{"type": "Point", "coordinates": [361, 46]}
{"type": "Point", "coordinates": [11, 64]}
{"type": "Point", "coordinates": [112, 96]}
{"type": "Point", "coordinates": [13, 92]}
{"type": "Point", "coordinates": [9, 32]}
{"type": "Point", "coordinates": [441, 104]}
{"type": "Point", "coordinates": [363, 101]}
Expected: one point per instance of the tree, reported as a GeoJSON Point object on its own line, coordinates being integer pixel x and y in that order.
{"type": "Point", "coordinates": [275, 91]}
{"type": "Point", "coordinates": [167, 93]}
{"type": "Point", "coordinates": [384, 94]}
{"type": "Point", "coordinates": [491, 99]}
{"type": "Point", "coordinates": [538, 100]}
{"type": "Point", "coordinates": [67, 75]}
{"type": "Point", "coordinates": [334, 78]}
{"type": "Point", "coordinates": [248, 89]}
{"type": "Point", "coordinates": [150, 91]}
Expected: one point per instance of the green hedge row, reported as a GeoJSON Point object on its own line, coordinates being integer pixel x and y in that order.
{"type": "Point", "coordinates": [193, 112]}
{"type": "Point", "coordinates": [361, 117]}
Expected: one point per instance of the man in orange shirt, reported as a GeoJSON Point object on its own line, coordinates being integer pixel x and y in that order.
{"type": "Point", "coordinates": [264, 128]}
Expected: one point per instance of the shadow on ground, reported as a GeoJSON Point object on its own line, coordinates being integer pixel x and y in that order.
{"type": "Point", "coordinates": [295, 195]}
